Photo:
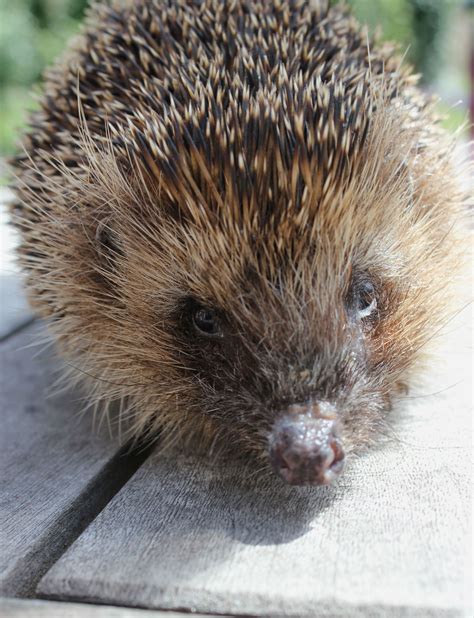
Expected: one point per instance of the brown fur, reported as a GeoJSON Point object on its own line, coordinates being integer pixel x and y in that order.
{"type": "Point", "coordinates": [259, 157]}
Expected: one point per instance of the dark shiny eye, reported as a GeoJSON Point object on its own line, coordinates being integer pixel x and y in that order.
{"type": "Point", "coordinates": [206, 321]}
{"type": "Point", "coordinates": [366, 299]}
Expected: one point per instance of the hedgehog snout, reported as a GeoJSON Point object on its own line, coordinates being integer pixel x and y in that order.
{"type": "Point", "coordinates": [305, 446]}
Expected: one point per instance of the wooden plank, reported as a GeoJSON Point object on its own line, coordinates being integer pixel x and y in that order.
{"type": "Point", "coordinates": [22, 608]}
{"type": "Point", "coordinates": [56, 473]}
{"type": "Point", "coordinates": [390, 540]}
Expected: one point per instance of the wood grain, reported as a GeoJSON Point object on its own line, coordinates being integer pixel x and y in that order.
{"type": "Point", "coordinates": [389, 540]}
{"type": "Point", "coordinates": [56, 472]}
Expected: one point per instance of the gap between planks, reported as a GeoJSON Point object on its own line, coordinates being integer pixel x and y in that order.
{"type": "Point", "coordinates": [42, 511]}
{"type": "Point", "coordinates": [79, 515]}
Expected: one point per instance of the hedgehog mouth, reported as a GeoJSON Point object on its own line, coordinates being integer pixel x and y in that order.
{"type": "Point", "coordinates": [305, 447]}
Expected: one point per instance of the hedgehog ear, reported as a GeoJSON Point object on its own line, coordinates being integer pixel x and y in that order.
{"type": "Point", "coordinates": [107, 245]}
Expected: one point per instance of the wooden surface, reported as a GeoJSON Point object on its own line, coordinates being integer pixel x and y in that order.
{"type": "Point", "coordinates": [19, 608]}
{"type": "Point", "coordinates": [56, 473]}
{"type": "Point", "coordinates": [389, 540]}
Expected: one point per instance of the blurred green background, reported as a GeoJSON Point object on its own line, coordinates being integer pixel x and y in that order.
{"type": "Point", "coordinates": [435, 34]}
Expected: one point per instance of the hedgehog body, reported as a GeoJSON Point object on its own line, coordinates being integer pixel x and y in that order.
{"type": "Point", "coordinates": [236, 216]}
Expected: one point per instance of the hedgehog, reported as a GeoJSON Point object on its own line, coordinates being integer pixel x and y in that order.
{"type": "Point", "coordinates": [238, 219]}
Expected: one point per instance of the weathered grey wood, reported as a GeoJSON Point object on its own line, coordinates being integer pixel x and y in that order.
{"type": "Point", "coordinates": [390, 540]}
{"type": "Point", "coordinates": [56, 473]}
{"type": "Point", "coordinates": [14, 309]}
{"type": "Point", "coordinates": [22, 608]}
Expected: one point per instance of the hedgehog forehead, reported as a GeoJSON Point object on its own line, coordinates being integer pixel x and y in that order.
{"type": "Point", "coordinates": [273, 274]}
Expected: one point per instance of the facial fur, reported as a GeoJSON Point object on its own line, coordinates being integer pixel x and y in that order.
{"type": "Point", "coordinates": [252, 167]}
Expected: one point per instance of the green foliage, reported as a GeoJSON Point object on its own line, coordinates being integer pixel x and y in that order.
{"type": "Point", "coordinates": [32, 34]}
{"type": "Point", "coordinates": [429, 21]}
{"type": "Point", "coordinates": [391, 17]}
{"type": "Point", "coordinates": [419, 26]}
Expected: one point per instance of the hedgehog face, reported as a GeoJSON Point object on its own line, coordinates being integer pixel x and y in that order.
{"type": "Point", "coordinates": [282, 379]}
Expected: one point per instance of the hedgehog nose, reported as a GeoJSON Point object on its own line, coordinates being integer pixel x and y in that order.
{"type": "Point", "coordinates": [305, 450]}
